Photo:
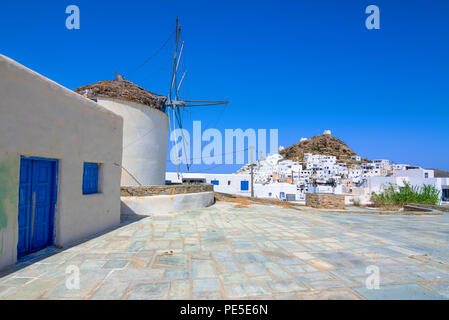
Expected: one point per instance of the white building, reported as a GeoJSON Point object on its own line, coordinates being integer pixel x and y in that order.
{"type": "Point", "coordinates": [378, 184]}
{"type": "Point", "coordinates": [227, 183]}
{"type": "Point", "coordinates": [145, 128]}
{"type": "Point", "coordinates": [381, 162]}
{"type": "Point", "coordinates": [399, 166]}
{"type": "Point", "coordinates": [239, 184]}
{"type": "Point", "coordinates": [60, 157]}
{"type": "Point", "coordinates": [415, 172]}
{"type": "Point", "coordinates": [281, 191]}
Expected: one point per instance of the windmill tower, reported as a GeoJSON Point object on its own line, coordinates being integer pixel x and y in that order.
{"type": "Point", "coordinates": [174, 104]}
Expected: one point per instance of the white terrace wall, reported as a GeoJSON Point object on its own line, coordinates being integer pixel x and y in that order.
{"type": "Point", "coordinates": [40, 118]}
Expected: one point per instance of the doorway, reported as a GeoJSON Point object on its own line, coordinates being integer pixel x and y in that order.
{"type": "Point", "coordinates": [37, 199]}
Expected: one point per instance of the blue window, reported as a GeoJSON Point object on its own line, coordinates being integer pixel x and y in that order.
{"type": "Point", "coordinates": [167, 181]}
{"type": "Point", "coordinates": [244, 185]}
{"type": "Point", "coordinates": [90, 178]}
{"type": "Point", "coordinates": [215, 182]}
{"type": "Point", "coordinates": [281, 195]}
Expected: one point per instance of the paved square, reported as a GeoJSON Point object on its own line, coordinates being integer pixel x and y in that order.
{"type": "Point", "coordinates": [259, 252]}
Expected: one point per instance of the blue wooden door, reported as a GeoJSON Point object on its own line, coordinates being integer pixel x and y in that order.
{"type": "Point", "coordinates": [23, 245]}
{"type": "Point", "coordinates": [40, 221]}
{"type": "Point", "coordinates": [36, 189]}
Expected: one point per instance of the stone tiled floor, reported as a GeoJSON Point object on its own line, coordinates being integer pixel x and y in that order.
{"type": "Point", "coordinates": [259, 252]}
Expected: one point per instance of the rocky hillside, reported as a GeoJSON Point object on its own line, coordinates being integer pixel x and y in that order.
{"type": "Point", "coordinates": [323, 144]}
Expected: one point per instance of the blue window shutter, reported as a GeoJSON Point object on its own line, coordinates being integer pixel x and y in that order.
{"type": "Point", "coordinates": [215, 182]}
{"type": "Point", "coordinates": [90, 178]}
{"type": "Point", "coordinates": [244, 185]}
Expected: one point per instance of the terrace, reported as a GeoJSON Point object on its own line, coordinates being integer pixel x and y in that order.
{"type": "Point", "coordinates": [231, 251]}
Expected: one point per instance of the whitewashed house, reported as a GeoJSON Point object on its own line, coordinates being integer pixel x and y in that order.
{"type": "Point", "coordinates": [415, 172]}
{"type": "Point", "coordinates": [227, 183]}
{"type": "Point", "coordinates": [60, 157]}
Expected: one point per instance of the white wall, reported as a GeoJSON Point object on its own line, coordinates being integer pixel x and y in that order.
{"type": "Point", "coordinates": [377, 184]}
{"type": "Point", "coordinates": [161, 204]}
{"type": "Point", "coordinates": [145, 137]}
{"type": "Point", "coordinates": [273, 190]}
{"type": "Point", "coordinates": [260, 191]}
{"type": "Point", "coordinates": [40, 118]}
{"type": "Point", "coordinates": [234, 181]}
{"type": "Point", "coordinates": [415, 173]}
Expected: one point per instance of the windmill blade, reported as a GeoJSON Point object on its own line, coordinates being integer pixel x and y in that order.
{"type": "Point", "coordinates": [217, 103]}
{"type": "Point", "coordinates": [180, 55]}
{"type": "Point", "coordinates": [175, 72]}
{"type": "Point", "coordinates": [180, 82]}
{"type": "Point", "coordinates": [211, 101]}
{"type": "Point", "coordinates": [173, 75]}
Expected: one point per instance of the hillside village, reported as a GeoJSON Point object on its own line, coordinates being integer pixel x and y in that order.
{"type": "Point", "coordinates": [326, 169]}
{"type": "Point", "coordinates": [321, 164]}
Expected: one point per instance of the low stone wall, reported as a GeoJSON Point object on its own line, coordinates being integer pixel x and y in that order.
{"type": "Point", "coordinates": [170, 189]}
{"type": "Point", "coordinates": [325, 200]}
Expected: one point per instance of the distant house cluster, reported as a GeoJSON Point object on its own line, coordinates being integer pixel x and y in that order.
{"type": "Point", "coordinates": [276, 177]}
{"type": "Point", "coordinates": [324, 174]}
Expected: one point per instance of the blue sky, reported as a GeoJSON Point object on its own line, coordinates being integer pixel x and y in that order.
{"type": "Point", "coordinates": [298, 66]}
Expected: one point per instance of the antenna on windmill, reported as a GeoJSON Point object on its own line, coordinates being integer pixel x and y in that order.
{"type": "Point", "coordinates": [173, 100]}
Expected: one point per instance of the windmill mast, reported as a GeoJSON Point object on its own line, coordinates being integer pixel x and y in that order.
{"type": "Point", "coordinates": [173, 101]}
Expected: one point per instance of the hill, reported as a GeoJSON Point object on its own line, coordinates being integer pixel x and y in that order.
{"type": "Point", "coordinates": [325, 144]}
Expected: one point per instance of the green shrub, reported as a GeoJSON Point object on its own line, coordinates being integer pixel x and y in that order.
{"type": "Point", "coordinates": [394, 196]}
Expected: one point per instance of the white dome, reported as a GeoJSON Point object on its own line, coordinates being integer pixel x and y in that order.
{"type": "Point", "coordinates": [327, 132]}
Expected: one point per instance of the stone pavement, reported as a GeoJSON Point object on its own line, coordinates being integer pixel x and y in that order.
{"type": "Point", "coordinates": [260, 252]}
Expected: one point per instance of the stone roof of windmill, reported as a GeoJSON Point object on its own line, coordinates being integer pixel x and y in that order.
{"type": "Point", "coordinates": [122, 89]}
